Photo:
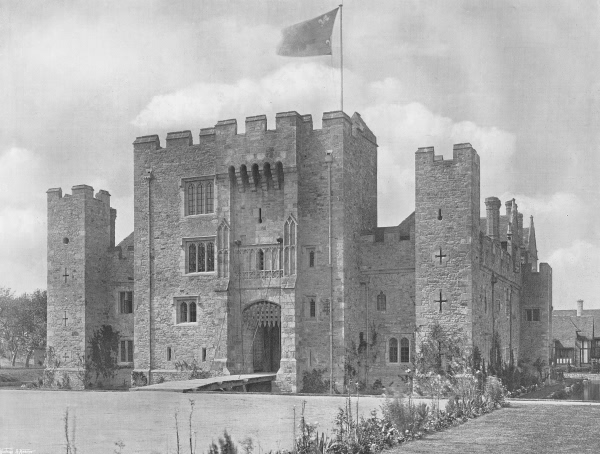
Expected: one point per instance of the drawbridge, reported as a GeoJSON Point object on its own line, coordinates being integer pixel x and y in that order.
{"type": "Point", "coordinates": [245, 383]}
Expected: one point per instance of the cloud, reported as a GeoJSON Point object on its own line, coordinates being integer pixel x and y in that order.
{"type": "Point", "coordinates": [401, 128]}
{"type": "Point", "coordinates": [574, 276]}
{"type": "Point", "coordinates": [22, 220]}
{"type": "Point", "coordinates": [311, 87]}
{"type": "Point", "coordinates": [304, 87]}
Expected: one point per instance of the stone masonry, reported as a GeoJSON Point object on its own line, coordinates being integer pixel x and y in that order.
{"type": "Point", "coordinates": [260, 251]}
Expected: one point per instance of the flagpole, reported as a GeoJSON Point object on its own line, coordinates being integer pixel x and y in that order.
{"type": "Point", "coordinates": [341, 60]}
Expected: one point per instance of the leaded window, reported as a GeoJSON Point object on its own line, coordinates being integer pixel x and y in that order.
{"type": "Point", "coordinates": [126, 351]}
{"type": "Point", "coordinates": [223, 249]}
{"type": "Point", "coordinates": [289, 247]}
{"type": "Point", "coordinates": [199, 197]}
{"type": "Point", "coordinates": [183, 312]}
{"type": "Point", "coordinates": [200, 256]}
{"type": "Point", "coordinates": [532, 315]}
{"type": "Point", "coordinates": [404, 350]}
{"type": "Point", "coordinates": [126, 302]}
{"type": "Point", "coordinates": [186, 311]}
{"type": "Point", "coordinates": [393, 350]}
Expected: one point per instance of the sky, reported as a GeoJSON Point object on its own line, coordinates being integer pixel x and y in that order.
{"type": "Point", "coordinates": [517, 79]}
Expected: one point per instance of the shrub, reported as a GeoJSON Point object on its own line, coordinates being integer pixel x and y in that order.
{"type": "Point", "coordinates": [104, 346]}
{"type": "Point", "coordinates": [66, 381]}
{"type": "Point", "coordinates": [138, 379]}
{"type": "Point", "coordinates": [313, 382]}
{"type": "Point", "coordinates": [494, 392]}
{"type": "Point", "coordinates": [226, 445]}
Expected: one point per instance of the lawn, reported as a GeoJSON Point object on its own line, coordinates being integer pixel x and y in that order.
{"type": "Point", "coordinates": [523, 427]}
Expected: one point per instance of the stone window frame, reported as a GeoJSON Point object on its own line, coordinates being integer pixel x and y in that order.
{"type": "Point", "coordinates": [169, 354]}
{"type": "Point", "coordinates": [404, 349]}
{"type": "Point", "coordinates": [189, 187]}
{"type": "Point", "coordinates": [185, 244]}
{"type": "Point", "coordinates": [178, 315]}
{"type": "Point", "coordinates": [307, 311]}
{"type": "Point", "coordinates": [121, 302]}
{"type": "Point", "coordinates": [311, 255]}
{"type": "Point", "coordinates": [399, 353]}
{"type": "Point", "coordinates": [393, 348]}
{"type": "Point", "coordinates": [126, 349]}
{"type": "Point", "coordinates": [290, 235]}
{"type": "Point", "coordinates": [529, 314]}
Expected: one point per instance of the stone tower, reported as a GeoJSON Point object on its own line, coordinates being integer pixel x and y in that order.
{"type": "Point", "coordinates": [81, 231]}
{"type": "Point", "coordinates": [274, 213]}
{"type": "Point", "coordinates": [447, 226]}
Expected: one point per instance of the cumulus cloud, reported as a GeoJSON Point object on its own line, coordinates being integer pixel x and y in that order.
{"type": "Point", "coordinates": [573, 275]}
{"type": "Point", "coordinates": [305, 87]}
{"type": "Point", "coordinates": [401, 128]}
{"type": "Point", "coordinates": [313, 88]}
{"type": "Point", "coordinates": [22, 220]}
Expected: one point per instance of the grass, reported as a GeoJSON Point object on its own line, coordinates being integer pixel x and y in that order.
{"type": "Point", "coordinates": [520, 428]}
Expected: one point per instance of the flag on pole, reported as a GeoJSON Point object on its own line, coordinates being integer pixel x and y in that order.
{"type": "Point", "coordinates": [308, 38]}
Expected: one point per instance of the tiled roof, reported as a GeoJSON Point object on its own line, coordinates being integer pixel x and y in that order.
{"type": "Point", "coordinates": [566, 325]}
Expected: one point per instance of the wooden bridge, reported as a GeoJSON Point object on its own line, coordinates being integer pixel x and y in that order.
{"type": "Point", "coordinates": [244, 383]}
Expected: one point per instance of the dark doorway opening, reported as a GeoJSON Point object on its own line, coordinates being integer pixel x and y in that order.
{"type": "Point", "coordinates": [263, 330]}
{"type": "Point", "coordinates": [267, 349]}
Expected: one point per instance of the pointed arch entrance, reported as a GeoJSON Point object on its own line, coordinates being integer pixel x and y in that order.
{"type": "Point", "coordinates": [262, 322]}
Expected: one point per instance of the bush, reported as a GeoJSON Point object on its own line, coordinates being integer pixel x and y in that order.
{"type": "Point", "coordinates": [313, 382]}
{"type": "Point", "coordinates": [138, 379]}
{"type": "Point", "coordinates": [494, 392]}
{"type": "Point", "coordinates": [226, 445]}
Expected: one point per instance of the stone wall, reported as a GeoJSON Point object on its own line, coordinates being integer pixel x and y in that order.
{"type": "Point", "coordinates": [82, 269]}
{"type": "Point", "coordinates": [447, 233]}
{"type": "Point", "coordinates": [536, 336]}
{"type": "Point", "coordinates": [388, 272]}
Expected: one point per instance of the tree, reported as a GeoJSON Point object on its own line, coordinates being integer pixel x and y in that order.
{"type": "Point", "coordinates": [22, 323]}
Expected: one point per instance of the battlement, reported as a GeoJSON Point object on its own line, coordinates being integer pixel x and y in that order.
{"type": "Point", "coordinates": [256, 126]}
{"type": "Point", "coordinates": [80, 191]}
{"type": "Point", "coordinates": [459, 150]}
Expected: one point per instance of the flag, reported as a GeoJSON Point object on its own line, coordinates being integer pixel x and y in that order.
{"type": "Point", "coordinates": [308, 38]}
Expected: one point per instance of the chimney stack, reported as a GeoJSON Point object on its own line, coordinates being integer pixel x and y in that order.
{"type": "Point", "coordinates": [508, 205]}
{"type": "Point", "coordinates": [579, 308]}
{"type": "Point", "coordinates": [493, 205]}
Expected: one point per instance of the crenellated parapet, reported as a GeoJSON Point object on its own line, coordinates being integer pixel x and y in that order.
{"type": "Point", "coordinates": [79, 192]}
{"type": "Point", "coordinates": [258, 145]}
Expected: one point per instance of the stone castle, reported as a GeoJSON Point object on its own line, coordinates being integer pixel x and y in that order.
{"type": "Point", "coordinates": [261, 252]}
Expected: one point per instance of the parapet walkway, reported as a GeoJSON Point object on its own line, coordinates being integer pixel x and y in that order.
{"type": "Point", "coordinates": [243, 382]}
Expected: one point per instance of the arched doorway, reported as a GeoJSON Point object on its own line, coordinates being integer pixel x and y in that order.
{"type": "Point", "coordinates": [262, 322]}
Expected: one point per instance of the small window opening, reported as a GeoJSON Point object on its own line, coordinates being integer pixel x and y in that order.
{"type": "Point", "coordinates": [203, 354]}
{"type": "Point", "coordinates": [192, 312]}
{"type": "Point", "coordinates": [381, 302]}
{"type": "Point", "coordinates": [169, 354]}
{"type": "Point", "coordinates": [65, 240]}
{"type": "Point", "coordinates": [440, 214]}
{"type": "Point", "coordinates": [313, 309]}
{"type": "Point", "coordinates": [404, 350]}
{"type": "Point", "coordinates": [260, 256]}
{"type": "Point", "coordinates": [393, 350]}
{"type": "Point", "coordinates": [260, 215]}
{"type": "Point", "coordinates": [311, 259]}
